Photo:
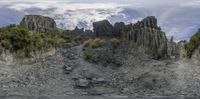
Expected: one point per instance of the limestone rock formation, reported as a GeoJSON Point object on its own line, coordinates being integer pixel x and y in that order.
{"type": "Point", "coordinates": [181, 47]}
{"type": "Point", "coordinates": [147, 33]}
{"type": "Point", "coordinates": [103, 28]}
{"type": "Point", "coordinates": [119, 28]}
{"type": "Point", "coordinates": [173, 49]}
{"type": "Point", "coordinates": [145, 36]}
{"type": "Point", "coordinates": [38, 23]}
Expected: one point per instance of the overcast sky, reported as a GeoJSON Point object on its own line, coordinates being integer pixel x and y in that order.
{"type": "Point", "coordinates": [178, 18]}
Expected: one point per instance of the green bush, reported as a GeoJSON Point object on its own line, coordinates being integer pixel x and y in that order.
{"type": "Point", "coordinates": [87, 55]}
{"type": "Point", "coordinates": [18, 39]}
{"type": "Point", "coordinates": [193, 44]}
{"type": "Point", "coordinates": [6, 44]}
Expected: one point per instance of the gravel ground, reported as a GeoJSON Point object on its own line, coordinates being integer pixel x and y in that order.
{"type": "Point", "coordinates": [67, 73]}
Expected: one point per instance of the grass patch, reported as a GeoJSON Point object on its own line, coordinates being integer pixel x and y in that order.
{"type": "Point", "coordinates": [87, 55]}
{"type": "Point", "coordinates": [94, 43]}
{"type": "Point", "coordinates": [87, 43]}
{"type": "Point", "coordinates": [115, 42]}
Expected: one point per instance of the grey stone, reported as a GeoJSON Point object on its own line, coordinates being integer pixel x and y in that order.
{"type": "Point", "coordinates": [173, 49]}
{"type": "Point", "coordinates": [82, 82]}
{"type": "Point", "coordinates": [119, 28]}
{"type": "Point", "coordinates": [148, 35]}
{"type": "Point", "coordinates": [103, 28]}
{"type": "Point", "coordinates": [38, 23]}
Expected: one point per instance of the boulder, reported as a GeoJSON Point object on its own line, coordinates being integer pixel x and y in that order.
{"type": "Point", "coordinates": [103, 28]}
{"type": "Point", "coordinates": [38, 23]}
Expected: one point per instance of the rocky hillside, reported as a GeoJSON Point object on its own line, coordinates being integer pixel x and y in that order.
{"type": "Point", "coordinates": [128, 60]}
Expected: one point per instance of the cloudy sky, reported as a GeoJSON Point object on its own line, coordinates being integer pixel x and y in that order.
{"type": "Point", "coordinates": [178, 18]}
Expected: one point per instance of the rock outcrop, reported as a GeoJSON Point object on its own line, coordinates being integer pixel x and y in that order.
{"type": "Point", "coordinates": [79, 33]}
{"type": "Point", "coordinates": [147, 34]}
{"type": "Point", "coordinates": [119, 28]}
{"type": "Point", "coordinates": [173, 49]}
{"type": "Point", "coordinates": [182, 50]}
{"type": "Point", "coordinates": [38, 23]}
{"type": "Point", "coordinates": [103, 28]}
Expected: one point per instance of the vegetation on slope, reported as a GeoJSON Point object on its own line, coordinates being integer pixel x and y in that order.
{"type": "Point", "coordinates": [193, 44]}
{"type": "Point", "coordinates": [17, 38]}
{"type": "Point", "coordinates": [94, 43]}
{"type": "Point", "coordinates": [115, 42]}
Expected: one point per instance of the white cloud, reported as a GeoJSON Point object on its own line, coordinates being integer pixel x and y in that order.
{"type": "Point", "coordinates": [69, 15]}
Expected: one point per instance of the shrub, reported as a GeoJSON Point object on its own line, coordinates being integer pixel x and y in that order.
{"type": "Point", "coordinates": [18, 39]}
{"type": "Point", "coordinates": [97, 43]}
{"type": "Point", "coordinates": [87, 55]}
{"type": "Point", "coordinates": [6, 44]}
{"type": "Point", "coordinates": [115, 42]}
{"type": "Point", "coordinates": [87, 43]}
{"type": "Point", "coordinates": [193, 44]}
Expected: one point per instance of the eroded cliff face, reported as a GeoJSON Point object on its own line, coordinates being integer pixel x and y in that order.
{"type": "Point", "coordinates": [11, 58]}
{"type": "Point", "coordinates": [146, 33]}
{"type": "Point", "coordinates": [38, 23]}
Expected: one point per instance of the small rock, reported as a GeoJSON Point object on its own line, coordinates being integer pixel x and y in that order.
{"type": "Point", "coordinates": [98, 80]}
{"type": "Point", "coordinates": [82, 82]}
{"type": "Point", "coordinates": [67, 69]}
{"type": "Point", "coordinates": [125, 90]}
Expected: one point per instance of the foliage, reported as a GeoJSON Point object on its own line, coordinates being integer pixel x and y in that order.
{"type": "Point", "coordinates": [17, 38]}
{"type": "Point", "coordinates": [87, 43]}
{"type": "Point", "coordinates": [97, 43]}
{"type": "Point", "coordinates": [94, 43]}
{"type": "Point", "coordinates": [115, 42]}
{"type": "Point", "coordinates": [87, 55]}
{"type": "Point", "coordinates": [193, 44]}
